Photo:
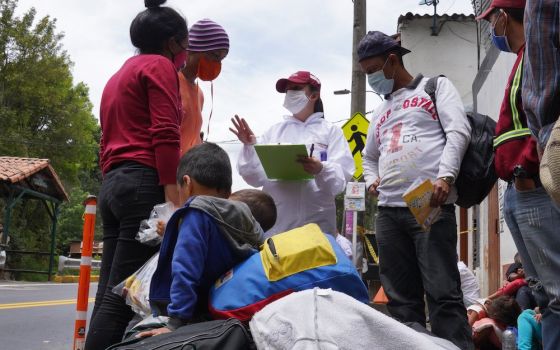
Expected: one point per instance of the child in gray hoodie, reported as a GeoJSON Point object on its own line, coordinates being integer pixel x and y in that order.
{"type": "Point", "coordinates": [206, 237]}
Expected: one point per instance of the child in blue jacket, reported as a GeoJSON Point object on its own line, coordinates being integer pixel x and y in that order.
{"type": "Point", "coordinates": [206, 237]}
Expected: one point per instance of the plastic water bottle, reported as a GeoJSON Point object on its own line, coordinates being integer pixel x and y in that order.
{"type": "Point", "coordinates": [509, 339]}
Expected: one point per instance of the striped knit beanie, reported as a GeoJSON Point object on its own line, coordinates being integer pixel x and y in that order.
{"type": "Point", "coordinates": [207, 35]}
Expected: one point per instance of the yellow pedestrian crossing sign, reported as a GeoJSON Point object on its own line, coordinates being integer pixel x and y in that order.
{"type": "Point", "coordinates": [355, 131]}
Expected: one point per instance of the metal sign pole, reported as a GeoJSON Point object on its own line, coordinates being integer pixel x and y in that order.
{"type": "Point", "coordinates": [354, 237]}
{"type": "Point", "coordinates": [354, 201]}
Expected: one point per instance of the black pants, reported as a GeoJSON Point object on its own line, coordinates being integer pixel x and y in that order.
{"type": "Point", "coordinates": [127, 196]}
{"type": "Point", "coordinates": [413, 262]}
{"type": "Point", "coordinates": [525, 299]}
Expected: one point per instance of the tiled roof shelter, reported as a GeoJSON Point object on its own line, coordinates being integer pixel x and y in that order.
{"type": "Point", "coordinates": [31, 173]}
{"type": "Point", "coordinates": [24, 179]}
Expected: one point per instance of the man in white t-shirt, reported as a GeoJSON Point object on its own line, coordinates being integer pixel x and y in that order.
{"type": "Point", "coordinates": [409, 139]}
{"type": "Point", "coordinates": [469, 284]}
{"type": "Point", "coordinates": [345, 244]}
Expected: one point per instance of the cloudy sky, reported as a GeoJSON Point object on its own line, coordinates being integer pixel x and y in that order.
{"type": "Point", "coordinates": [269, 40]}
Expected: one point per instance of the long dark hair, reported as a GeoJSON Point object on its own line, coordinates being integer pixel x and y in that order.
{"type": "Point", "coordinates": [152, 27]}
{"type": "Point", "coordinates": [318, 107]}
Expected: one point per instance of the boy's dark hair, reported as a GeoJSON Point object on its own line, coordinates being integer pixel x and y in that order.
{"type": "Point", "coordinates": [504, 309]}
{"type": "Point", "coordinates": [152, 27]}
{"type": "Point", "coordinates": [208, 164]}
{"type": "Point", "coordinates": [261, 204]}
{"type": "Point", "coordinates": [513, 268]}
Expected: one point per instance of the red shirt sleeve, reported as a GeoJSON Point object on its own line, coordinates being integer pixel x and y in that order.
{"type": "Point", "coordinates": [512, 287]}
{"type": "Point", "coordinates": [165, 114]}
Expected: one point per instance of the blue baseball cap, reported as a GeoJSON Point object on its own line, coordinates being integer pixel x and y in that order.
{"type": "Point", "coordinates": [375, 43]}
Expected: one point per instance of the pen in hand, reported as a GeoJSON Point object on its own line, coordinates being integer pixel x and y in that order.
{"type": "Point", "coordinates": [311, 165]}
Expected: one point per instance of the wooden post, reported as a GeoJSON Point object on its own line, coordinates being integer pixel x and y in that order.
{"type": "Point", "coordinates": [358, 97]}
{"type": "Point", "coordinates": [464, 235]}
{"type": "Point", "coordinates": [493, 252]}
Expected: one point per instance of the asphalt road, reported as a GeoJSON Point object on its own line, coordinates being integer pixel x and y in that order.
{"type": "Point", "coordinates": [38, 315]}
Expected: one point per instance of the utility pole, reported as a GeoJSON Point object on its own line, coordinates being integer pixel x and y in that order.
{"type": "Point", "coordinates": [358, 95]}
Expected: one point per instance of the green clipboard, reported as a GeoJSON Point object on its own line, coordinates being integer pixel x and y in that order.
{"type": "Point", "coordinates": [279, 162]}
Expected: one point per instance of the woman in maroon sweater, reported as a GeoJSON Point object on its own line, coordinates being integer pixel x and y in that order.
{"type": "Point", "coordinates": [139, 152]}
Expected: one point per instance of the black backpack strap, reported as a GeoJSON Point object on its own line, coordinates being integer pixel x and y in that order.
{"type": "Point", "coordinates": [430, 88]}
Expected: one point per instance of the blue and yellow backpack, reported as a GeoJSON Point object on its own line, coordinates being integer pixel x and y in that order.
{"type": "Point", "coordinates": [299, 259]}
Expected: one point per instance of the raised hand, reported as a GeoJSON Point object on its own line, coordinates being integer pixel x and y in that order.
{"type": "Point", "coordinates": [243, 131]}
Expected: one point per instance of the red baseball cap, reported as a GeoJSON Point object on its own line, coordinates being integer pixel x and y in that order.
{"type": "Point", "coordinates": [301, 77]}
{"type": "Point", "coordinates": [502, 4]}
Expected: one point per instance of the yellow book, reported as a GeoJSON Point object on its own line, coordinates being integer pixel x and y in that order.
{"type": "Point", "coordinates": [417, 198]}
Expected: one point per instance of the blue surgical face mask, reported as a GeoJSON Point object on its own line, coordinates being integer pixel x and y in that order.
{"type": "Point", "coordinates": [500, 41]}
{"type": "Point", "coordinates": [379, 83]}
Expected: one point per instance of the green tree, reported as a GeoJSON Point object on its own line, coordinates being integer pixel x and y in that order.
{"type": "Point", "coordinates": [70, 223]}
{"type": "Point", "coordinates": [42, 112]}
{"type": "Point", "coordinates": [45, 114]}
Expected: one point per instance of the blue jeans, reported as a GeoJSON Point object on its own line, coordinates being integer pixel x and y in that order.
{"type": "Point", "coordinates": [412, 262]}
{"type": "Point", "coordinates": [534, 222]}
{"type": "Point", "coordinates": [127, 196]}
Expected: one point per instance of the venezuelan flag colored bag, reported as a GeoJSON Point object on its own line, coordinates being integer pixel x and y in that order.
{"type": "Point", "coordinates": [292, 261]}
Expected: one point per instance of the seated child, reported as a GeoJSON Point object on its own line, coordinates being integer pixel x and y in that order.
{"type": "Point", "coordinates": [261, 205]}
{"type": "Point", "coordinates": [517, 287]}
{"type": "Point", "coordinates": [529, 330]}
{"type": "Point", "coordinates": [206, 237]}
{"type": "Point", "coordinates": [501, 312]}
{"type": "Point", "coordinates": [477, 310]}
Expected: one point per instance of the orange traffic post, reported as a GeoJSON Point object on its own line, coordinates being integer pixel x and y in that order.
{"type": "Point", "coordinates": [85, 273]}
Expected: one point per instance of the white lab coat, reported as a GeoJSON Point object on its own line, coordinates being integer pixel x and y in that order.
{"type": "Point", "coordinates": [302, 202]}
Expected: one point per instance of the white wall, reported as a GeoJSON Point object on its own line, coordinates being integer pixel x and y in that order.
{"type": "Point", "coordinates": [489, 98]}
{"type": "Point", "coordinates": [452, 53]}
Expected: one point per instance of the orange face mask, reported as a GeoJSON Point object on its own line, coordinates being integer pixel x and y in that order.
{"type": "Point", "coordinates": [208, 70]}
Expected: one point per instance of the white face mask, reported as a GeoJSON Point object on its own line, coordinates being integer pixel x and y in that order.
{"type": "Point", "coordinates": [295, 101]}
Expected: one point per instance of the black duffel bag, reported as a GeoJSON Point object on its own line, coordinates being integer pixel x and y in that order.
{"type": "Point", "coordinates": [212, 335]}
